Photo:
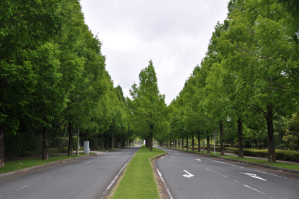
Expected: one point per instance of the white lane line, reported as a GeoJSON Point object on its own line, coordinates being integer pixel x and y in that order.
{"type": "Point", "coordinates": [84, 164]}
{"type": "Point", "coordinates": [274, 175]}
{"type": "Point", "coordinates": [253, 189]}
{"type": "Point", "coordinates": [188, 175]}
{"type": "Point", "coordinates": [22, 187]}
{"type": "Point", "coordinates": [197, 159]}
{"type": "Point", "coordinates": [237, 182]}
{"type": "Point", "coordinates": [228, 164]}
{"type": "Point", "coordinates": [165, 184]}
{"type": "Point", "coordinates": [253, 176]}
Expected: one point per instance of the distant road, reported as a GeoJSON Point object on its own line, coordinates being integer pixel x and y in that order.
{"type": "Point", "coordinates": [192, 176]}
{"type": "Point", "coordinates": [87, 178]}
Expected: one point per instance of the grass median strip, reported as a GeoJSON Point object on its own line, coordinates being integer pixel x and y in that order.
{"type": "Point", "coordinates": [138, 180]}
{"type": "Point", "coordinates": [30, 162]}
{"type": "Point", "coordinates": [253, 160]}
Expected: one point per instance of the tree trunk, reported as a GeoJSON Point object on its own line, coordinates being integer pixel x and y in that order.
{"type": "Point", "coordinates": [198, 139]}
{"type": "Point", "coordinates": [208, 143]}
{"type": "Point", "coordinates": [77, 151]}
{"type": "Point", "coordinates": [103, 142]}
{"type": "Point", "coordinates": [204, 147]}
{"type": "Point", "coordinates": [221, 138]}
{"type": "Point", "coordinates": [45, 149]}
{"type": "Point", "coordinates": [240, 139]}
{"type": "Point", "coordinates": [70, 149]}
{"type": "Point", "coordinates": [192, 142]}
{"type": "Point", "coordinates": [187, 144]}
{"type": "Point", "coordinates": [271, 141]}
{"type": "Point", "coordinates": [179, 143]}
{"type": "Point", "coordinates": [112, 140]}
{"type": "Point", "coordinates": [2, 133]}
{"type": "Point", "coordinates": [182, 143]}
{"type": "Point", "coordinates": [151, 140]}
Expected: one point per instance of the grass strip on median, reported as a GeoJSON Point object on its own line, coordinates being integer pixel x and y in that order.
{"type": "Point", "coordinates": [138, 180]}
{"type": "Point", "coordinates": [253, 160]}
{"type": "Point", "coordinates": [30, 162]}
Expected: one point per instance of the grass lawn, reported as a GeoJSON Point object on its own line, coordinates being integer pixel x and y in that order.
{"type": "Point", "coordinates": [30, 162]}
{"type": "Point", "coordinates": [138, 180]}
{"type": "Point", "coordinates": [258, 161]}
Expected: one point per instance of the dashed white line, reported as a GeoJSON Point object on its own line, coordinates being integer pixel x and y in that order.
{"type": "Point", "coordinates": [84, 164]}
{"type": "Point", "coordinates": [22, 187]}
{"type": "Point", "coordinates": [253, 189]}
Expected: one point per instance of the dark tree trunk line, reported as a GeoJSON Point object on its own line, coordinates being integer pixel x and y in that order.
{"type": "Point", "coordinates": [187, 143]}
{"type": "Point", "coordinates": [208, 143]}
{"type": "Point", "coordinates": [198, 139]}
{"type": "Point", "coordinates": [2, 133]}
{"type": "Point", "coordinates": [70, 148]}
{"type": "Point", "coordinates": [270, 130]}
{"type": "Point", "coordinates": [45, 147]}
{"type": "Point", "coordinates": [221, 138]}
{"type": "Point", "coordinates": [240, 139]}
{"type": "Point", "coordinates": [192, 142]}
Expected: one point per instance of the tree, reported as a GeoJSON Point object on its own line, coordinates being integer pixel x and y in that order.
{"type": "Point", "coordinates": [147, 106]}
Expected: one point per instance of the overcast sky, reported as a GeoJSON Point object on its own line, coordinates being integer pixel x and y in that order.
{"type": "Point", "coordinates": [174, 34]}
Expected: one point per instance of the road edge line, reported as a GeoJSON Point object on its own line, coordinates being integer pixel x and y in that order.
{"type": "Point", "coordinates": [116, 179]}
{"type": "Point", "coordinates": [164, 192]}
{"type": "Point", "coordinates": [36, 168]}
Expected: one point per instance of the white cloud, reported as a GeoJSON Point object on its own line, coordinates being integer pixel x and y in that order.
{"type": "Point", "coordinates": [174, 34]}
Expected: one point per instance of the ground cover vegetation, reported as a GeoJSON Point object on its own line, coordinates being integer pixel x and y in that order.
{"type": "Point", "coordinates": [138, 179]}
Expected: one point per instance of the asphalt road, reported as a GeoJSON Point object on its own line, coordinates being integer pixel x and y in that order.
{"type": "Point", "coordinates": [87, 178]}
{"type": "Point", "coordinates": [192, 176]}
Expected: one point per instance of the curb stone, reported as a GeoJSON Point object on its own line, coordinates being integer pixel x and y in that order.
{"type": "Point", "coordinates": [251, 163]}
{"type": "Point", "coordinates": [41, 167]}
{"type": "Point", "coordinates": [161, 185]}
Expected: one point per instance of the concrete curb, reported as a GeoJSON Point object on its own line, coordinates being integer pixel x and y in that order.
{"type": "Point", "coordinates": [43, 166]}
{"type": "Point", "coordinates": [161, 185]}
{"type": "Point", "coordinates": [251, 163]}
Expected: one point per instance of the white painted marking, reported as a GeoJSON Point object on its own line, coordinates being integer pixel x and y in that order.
{"type": "Point", "coordinates": [84, 163]}
{"type": "Point", "coordinates": [48, 177]}
{"type": "Point", "coordinates": [253, 176]}
{"type": "Point", "coordinates": [165, 184]}
{"type": "Point", "coordinates": [188, 175]}
{"type": "Point", "coordinates": [198, 159]}
{"type": "Point", "coordinates": [22, 187]}
{"type": "Point", "coordinates": [274, 175]}
{"type": "Point", "coordinates": [253, 189]}
{"type": "Point", "coordinates": [228, 164]}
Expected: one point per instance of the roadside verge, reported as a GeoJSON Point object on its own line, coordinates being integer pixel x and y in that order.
{"type": "Point", "coordinates": [138, 180]}
{"type": "Point", "coordinates": [12, 174]}
{"type": "Point", "coordinates": [241, 161]}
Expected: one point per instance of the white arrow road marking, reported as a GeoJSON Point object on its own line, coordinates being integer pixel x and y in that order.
{"type": "Point", "coordinates": [253, 176]}
{"type": "Point", "coordinates": [198, 159]}
{"type": "Point", "coordinates": [189, 175]}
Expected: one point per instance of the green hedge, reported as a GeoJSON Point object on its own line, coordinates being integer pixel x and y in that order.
{"type": "Point", "coordinates": [263, 153]}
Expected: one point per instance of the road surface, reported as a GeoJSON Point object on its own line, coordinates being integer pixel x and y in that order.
{"type": "Point", "coordinates": [192, 176]}
{"type": "Point", "coordinates": [87, 178]}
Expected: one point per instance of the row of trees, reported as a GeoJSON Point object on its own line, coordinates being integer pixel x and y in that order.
{"type": "Point", "coordinates": [248, 79]}
{"type": "Point", "coordinates": [52, 75]}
